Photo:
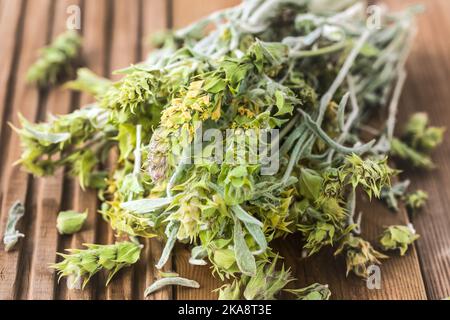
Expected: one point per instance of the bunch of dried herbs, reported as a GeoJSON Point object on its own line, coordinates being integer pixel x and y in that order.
{"type": "Point", "coordinates": [312, 69]}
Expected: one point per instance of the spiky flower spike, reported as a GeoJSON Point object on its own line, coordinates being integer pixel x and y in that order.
{"type": "Point", "coordinates": [264, 286]}
{"type": "Point", "coordinates": [359, 254]}
{"type": "Point", "coordinates": [80, 265]}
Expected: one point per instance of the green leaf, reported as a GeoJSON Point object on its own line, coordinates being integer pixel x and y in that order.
{"type": "Point", "coordinates": [243, 216]}
{"type": "Point", "coordinates": [146, 205]}
{"type": "Point", "coordinates": [283, 106]}
{"type": "Point", "coordinates": [171, 233]}
{"type": "Point", "coordinates": [214, 85]}
{"type": "Point", "coordinates": [11, 237]}
{"type": "Point", "coordinates": [259, 236]}
{"type": "Point", "coordinates": [127, 140]}
{"type": "Point", "coordinates": [244, 258]}
{"type": "Point", "coordinates": [310, 184]}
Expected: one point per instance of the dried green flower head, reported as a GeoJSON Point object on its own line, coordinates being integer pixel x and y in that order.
{"type": "Point", "coordinates": [371, 175]}
{"type": "Point", "coordinates": [230, 291]}
{"type": "Point", "coordinates": [70, 222]}
{"type": "Point", "coordinates": [56, 61]}
{"type": "Point", "coordinates": [421, 136]}
{"type": "Point", "coordinates": [71, 139]}
{"type": "Point", "coordinates": [398, 237]}
{"type": "Point", "coordinates": [80, 265]}
{"type": "Point", "coordinates": [317, 236]}
{"type": "Point", "coordinates": [416, 200]}
{"type": "Point", "coordinates": [315, 291]}
{"type": "Point", "coordinates": [132, 92]}
{"type": "Point", "coordinates": [238, 182]}
{"type": "Point", "coordinates": [418, 141]}
{"type": "Point", "coordinates": [265, 285]}
{"type": "Point", "coordinates": [359, 255]}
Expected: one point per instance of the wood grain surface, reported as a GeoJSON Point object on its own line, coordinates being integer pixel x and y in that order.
{"type": "Point", "coordinates": [115, 35]}
{"type": "Point", "coordinates": [427, 89]}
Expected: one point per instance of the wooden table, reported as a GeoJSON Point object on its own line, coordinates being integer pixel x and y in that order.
{"type": "Point", "coordinates": [113, 38]}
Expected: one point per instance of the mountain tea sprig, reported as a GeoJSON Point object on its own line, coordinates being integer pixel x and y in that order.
{"type": "Point", "coordinates": [359, 255]}
{"type": "Point", "coordinates": [56, 61]}
{"type": "Point", "coordinates": [80, 265]}
{"type": "Point", "coordinates": [311, 70]}
{"type": "Point", "coordinates": [398, 237]}
{"type": "Point", "coordinates": [265, 285]}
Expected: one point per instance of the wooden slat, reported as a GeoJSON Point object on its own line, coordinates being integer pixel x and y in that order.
{"type": "Point", "coordinates": [49, 194]}
{"type": "Point", "coordinates": [185, 12]}
{"type": "Point", "coordinates": [9, 27]}
{"type": "Point", "coordinates": [2, 9]}
{"type": "Point", "coordinates": [427, 90]}
{"type": "Point", "coordinates": [124, 51]}
{"type": "Point", "coordinates": [94, 53]}
{"type": "Point", "coordinates": [27, 247]}
{"type": "Point", "coordinates": [154, 18]}
{"type": "Point", "coordinates": [10, 23]}
{"type": "Point", "coordinates": [26, 101]}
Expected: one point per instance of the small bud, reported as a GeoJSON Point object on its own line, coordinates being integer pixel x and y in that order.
{"type": "Point", "coordinates": [70, 222]}
{"type": "Point", "coordinates": [416, 200]}
{"type": "Point", "coordinates": [417, 124]}
{"type": "Point", "coordinates": [398, 237]}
